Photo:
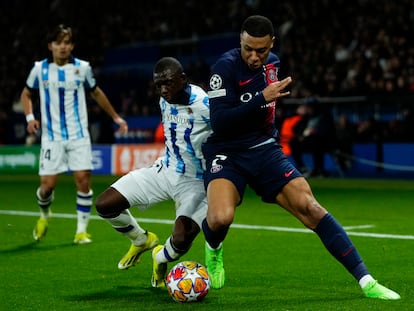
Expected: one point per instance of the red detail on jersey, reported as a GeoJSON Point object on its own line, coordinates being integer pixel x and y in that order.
{"type": "Point", "coordinates": [271, 77]}
{"type": "Point", "coordinates": [287, 174]}
{"type": "Point", "coordinates": [243, 83]}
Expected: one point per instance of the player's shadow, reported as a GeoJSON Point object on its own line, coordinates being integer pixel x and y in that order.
{"type": "Point", "coordinates": [123, 294]}
{"type": "Point", "coordinates": [34, 246]}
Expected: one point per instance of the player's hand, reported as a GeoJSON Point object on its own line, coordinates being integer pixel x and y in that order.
{"type": "Point", "coordinates": [123, 126]}
{"type": "Point", "coordinates": [33, 126]}
{"type": "Point", "coordinates": [276, 89]}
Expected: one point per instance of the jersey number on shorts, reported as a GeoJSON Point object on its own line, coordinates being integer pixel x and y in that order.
{"type": "Point", "coordinates": [46, 154]}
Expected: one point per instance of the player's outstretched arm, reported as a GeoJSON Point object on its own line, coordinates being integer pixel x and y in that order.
{"type": "Point", "coordinates": [100, 97]}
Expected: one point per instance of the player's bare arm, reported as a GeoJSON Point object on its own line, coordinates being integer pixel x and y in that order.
{"type": "Point", "coordinates": [99, 96]}
{"type": "Point", "coordinates": [32, 124]}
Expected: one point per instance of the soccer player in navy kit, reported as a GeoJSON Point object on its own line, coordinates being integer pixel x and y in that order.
{"type": "Point", "coordinates": [244, 150]}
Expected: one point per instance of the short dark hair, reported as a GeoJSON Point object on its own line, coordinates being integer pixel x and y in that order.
{"type": "Point", "coordinates": [258, 26]}
{"type": "Point", "coordinates": [168, 63]}
{"type": "Point", "coordinates": [58, 32]}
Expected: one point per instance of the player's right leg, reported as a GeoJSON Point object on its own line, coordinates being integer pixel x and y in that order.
{"type": "Point", "coordinates": [44, 200]}
{"type": "Point", "coordinates": [51, 164]}
{"type": "Point", "coordinates": [159, 266]}
{"type": "Point", "coordinates": [214, 255]}
{"type": "Point", "coordinates": [138, 188]}
{"type": "Point", "coordinates": [184, 232]}
{"type": "Point", "coordinates": [215, 265]}
{"type": "Point", "coordinates": [123, 222]}
{"type": "Point", "coordinates": [135, 252]}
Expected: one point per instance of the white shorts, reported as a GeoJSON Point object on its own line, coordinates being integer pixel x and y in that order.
{"type": "Point", "coordinates": [61, 156]}
{"type": "Point", "coordinates": [157, 183]}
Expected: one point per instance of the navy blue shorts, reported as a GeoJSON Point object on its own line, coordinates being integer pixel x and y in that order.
{"type": "Point", "coordinates": [265, 169]}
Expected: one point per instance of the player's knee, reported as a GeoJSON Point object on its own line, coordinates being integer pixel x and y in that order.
{"type": "Point", "coordinates": [311, 214]}
{"type": "Point", "coordinates": [103, 205]}
{"type": "Point", "coordinates": [110, 203]}
{"type": "Point", "coordinates": [220, 220]}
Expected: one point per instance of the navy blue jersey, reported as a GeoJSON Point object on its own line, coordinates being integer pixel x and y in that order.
{"type": "Point", "coordinates": [240, 116]}
{"type": "Point", "coordinates": [244, 146]}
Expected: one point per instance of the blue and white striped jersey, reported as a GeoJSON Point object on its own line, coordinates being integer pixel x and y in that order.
{"type": "Point", "coordinates": [62, 97]}
{"type": "Point", "coordinates": [186, 127]}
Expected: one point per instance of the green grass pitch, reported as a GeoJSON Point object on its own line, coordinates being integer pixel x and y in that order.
{"type": "Point", "coordinates": [272, 262]}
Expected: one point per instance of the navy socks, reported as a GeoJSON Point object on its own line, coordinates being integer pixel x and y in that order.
{"type": "Point", "coordinates": [337, 242]}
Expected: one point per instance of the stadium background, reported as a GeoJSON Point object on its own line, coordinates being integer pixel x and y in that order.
{"type": "Point", "coordinates": [357, 56]}
{"type": "Point", "coordinates": [54, 275]}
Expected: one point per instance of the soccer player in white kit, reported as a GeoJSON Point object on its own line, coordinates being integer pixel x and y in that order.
{"type": "Point", "coordinates": [62, 82]}
{"type": "Point", "coordinates": [177, 176]}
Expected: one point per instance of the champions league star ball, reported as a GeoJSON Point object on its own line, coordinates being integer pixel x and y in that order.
{"type": "Point", "coordinates": [188, 281]}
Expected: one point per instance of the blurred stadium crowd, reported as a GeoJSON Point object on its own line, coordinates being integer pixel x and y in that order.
{"type": "Point", "coordinates": [330, 48]}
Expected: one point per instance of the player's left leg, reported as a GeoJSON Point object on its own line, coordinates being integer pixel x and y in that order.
{"type": "Point", "coordinates": [184, 232]}
{"type": "Point", "coordinates": [297, 198]}
{"type": "Point", "coordinates": [45, 196]}
{"type": "Point", "coordinates": [338, 243]}
{"type": "Point", "coordinates": [79, 160]}
{"type": "Point", "coordinates": [84, 201]}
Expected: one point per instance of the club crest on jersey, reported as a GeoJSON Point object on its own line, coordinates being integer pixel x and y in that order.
{"type": "Point", "coordinates": [272, 75]}
{"type": "Point", "coordinates": [216, 168]}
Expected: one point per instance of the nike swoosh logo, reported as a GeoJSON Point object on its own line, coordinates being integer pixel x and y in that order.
{"type": "Point", "coordinates": [242, 83]}
{"type": "Point", "coordinates": [287, 174]}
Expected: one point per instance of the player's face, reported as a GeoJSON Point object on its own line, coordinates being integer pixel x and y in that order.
{"type": "Point", "coordinates": [255, 50]}
{"type": "Point", "coordinates": [61, 49]}
{"type": "Point", "coordinates": [169, 84]}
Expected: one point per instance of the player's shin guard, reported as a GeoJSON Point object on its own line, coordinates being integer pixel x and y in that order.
{"type": "Point", "coordinates": [83, 208]}
{"type": "Point", "coordinates": [337, 242]}
{"type": "Point", "coordinates": [126, 224]}
{"type": "Point", "coordinates": [44, 203]}
{"type": "Point", "coordinates": [169, 252]}
{"type": "Point", "coordinates": [214, 238]}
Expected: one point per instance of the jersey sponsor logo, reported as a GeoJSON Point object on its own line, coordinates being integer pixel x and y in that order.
{"type": "Point", "coordinates": [177, 119]}
{"type": "Point", "coordinates": [217, 93]}
{"type": "Point", "coordinates": [243, 83]}
{"type": "Point", "coordinates": [246, 97]}
{"type": "Point", "coordinates": [287, 174]}
{"type": "Point", "coordinates": [267, 105]}
{"type": "Point", "coordinates": [68, 85]}
{"type": "Point", "coordinates": [215, 82]}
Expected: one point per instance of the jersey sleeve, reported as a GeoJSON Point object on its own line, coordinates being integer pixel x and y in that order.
{"type": "Point", "coordinates": [90, 81]}
{"type": "Point", "coordinates": [32, 81]}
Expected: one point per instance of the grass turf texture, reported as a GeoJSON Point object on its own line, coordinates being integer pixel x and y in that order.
{"type": "Point", "coordinates": [267, 268]}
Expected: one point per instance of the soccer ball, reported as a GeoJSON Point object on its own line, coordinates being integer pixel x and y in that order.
{"type": "Point", "coordinates": [188, 281]}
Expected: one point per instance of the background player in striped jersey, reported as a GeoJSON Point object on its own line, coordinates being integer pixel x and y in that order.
{"type": "Point", "coordinates": [62, 82]}
{"type": "Point", "coordinates": [244, 150]}
{"type": "Point", "coordinates": [177, 176]}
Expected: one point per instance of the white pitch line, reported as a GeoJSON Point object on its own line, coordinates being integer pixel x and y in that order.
{"type": "Point", "coordinates": [238, 226]}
